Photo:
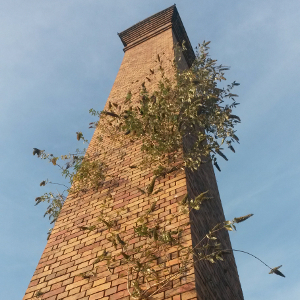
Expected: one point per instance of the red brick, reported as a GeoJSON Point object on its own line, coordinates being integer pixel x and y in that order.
{"type": "Point", "coordinates": [97, 296]}
{"type": "Point", "coordinates": [53, 292]}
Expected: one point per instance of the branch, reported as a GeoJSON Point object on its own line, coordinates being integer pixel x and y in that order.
{"type": "Point", "coordinates": [59, 184]}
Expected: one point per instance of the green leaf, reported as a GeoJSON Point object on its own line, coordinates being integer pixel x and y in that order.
{"type": "Point", "coordinates": [228, 227]}
{"type": "Point", "coordinates": [242, 219]}
{"type": "Point", "coordinates": [120, 240]}
{"type": "Point", "coordinates": [151, 186]}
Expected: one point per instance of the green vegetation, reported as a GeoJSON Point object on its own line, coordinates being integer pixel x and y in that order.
{"type": "Point", "coordinates": [186, 122]}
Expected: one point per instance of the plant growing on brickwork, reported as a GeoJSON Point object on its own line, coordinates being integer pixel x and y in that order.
{"type": "Point", "coordinates": [38, 294]}
{"type": "Point", "coordinates": [190, 108]}
{"type": "Point", "coordinates": [184, 123]}
{"type": "Point", "coordinates": [81, 172]}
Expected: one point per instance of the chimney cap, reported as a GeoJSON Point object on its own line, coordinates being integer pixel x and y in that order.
{"type": "Point", "coordinates": [155, 24]}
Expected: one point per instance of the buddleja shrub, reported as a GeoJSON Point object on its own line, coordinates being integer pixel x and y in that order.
{"type": "Point", "coordinates": [190, 110]}
{"type": "Point", "coordinates": [185, 122]}
{"type": "Point", "coordinates": [81, 171]}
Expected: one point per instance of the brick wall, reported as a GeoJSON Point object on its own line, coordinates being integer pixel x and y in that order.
{"type": "Point", "coordinates": [71, 251]}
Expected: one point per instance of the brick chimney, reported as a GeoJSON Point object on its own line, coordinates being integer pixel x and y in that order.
{"type": "Point", "coordinates": [70, 251]}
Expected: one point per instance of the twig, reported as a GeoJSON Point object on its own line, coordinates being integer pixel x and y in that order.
{"type": "Point", "coordinates": [249, 254]}
{"type": "Point", "coordinates": [59, 184]}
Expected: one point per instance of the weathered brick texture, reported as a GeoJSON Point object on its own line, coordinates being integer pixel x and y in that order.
{"type": "Point", "coordinates": [71, 251]}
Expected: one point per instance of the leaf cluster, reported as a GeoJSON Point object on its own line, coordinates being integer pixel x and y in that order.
{"type": "Point", "coordinates": [190, 110]}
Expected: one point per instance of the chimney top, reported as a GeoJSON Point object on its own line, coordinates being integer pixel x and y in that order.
{"type": "Point", "coordinates": [154, 25]}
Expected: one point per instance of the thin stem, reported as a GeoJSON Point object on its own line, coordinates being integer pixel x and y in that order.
{"type": "Point", "coordinates": [128, 282]}
{"type": "Point", "coordinates": [251, 255]}
{"type": "Point", "coordinates": [59, 184]}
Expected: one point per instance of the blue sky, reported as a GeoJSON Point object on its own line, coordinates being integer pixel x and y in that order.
{"type": "Point", "coordinates": [59, 58]}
